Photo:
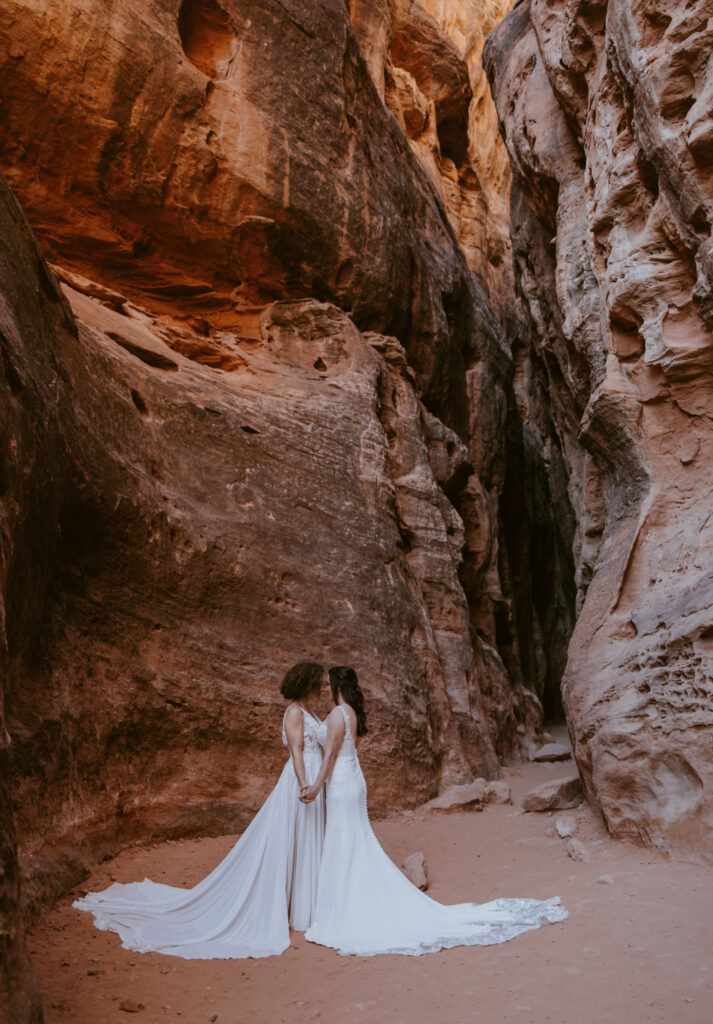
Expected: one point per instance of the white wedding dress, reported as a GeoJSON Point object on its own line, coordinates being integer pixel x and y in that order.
{"type": "Point", "coordinates": [246, 906]}
{"type": "Point", "coordinates": [365, 905]}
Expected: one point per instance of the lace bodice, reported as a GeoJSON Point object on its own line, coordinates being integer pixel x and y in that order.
{"type": "Point", "coordinates": [311, 726]}
{"type": "Point", "coordinates": [347, 750]}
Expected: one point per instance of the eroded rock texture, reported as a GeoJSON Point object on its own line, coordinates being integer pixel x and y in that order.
{"type": "Point", "coordinates": [175, 534]}
{"type": "Point", "coordinates": [34, 470]}
{"type": "Point", "coordinates": [606, 112]}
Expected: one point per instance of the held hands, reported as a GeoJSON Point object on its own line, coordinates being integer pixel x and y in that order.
{"type": "Point", "coordinates": [308, 794]}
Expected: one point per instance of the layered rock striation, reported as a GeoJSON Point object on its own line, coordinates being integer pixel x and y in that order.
{"type": "Point", "coordinates": [605, 110]}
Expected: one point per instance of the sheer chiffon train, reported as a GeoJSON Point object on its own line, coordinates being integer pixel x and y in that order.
{"type": "Point", "coordinates": [366, 906]}
{"type": "Point", "coordinates": [246, 906]}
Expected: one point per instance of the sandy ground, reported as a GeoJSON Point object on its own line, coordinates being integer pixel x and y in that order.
{"type": "Point", "coordinates": [637, 946]}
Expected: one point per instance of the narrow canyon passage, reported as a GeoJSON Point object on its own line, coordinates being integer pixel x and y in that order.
{"type": "Point", "coordinates": [376, 332]}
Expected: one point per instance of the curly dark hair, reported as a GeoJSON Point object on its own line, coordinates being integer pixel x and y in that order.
{"type": "Point", "coordinates": [303, 678]}
{"type": "Point", "coordinates": [344, 680]}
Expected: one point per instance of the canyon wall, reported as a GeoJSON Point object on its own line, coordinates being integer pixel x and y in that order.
{"type": "Point", "coordinates": [261, 409]}
{"type": "Point", "coordinates": [297, 382]}
{"type": "Point", "coordinates": [606, 112]}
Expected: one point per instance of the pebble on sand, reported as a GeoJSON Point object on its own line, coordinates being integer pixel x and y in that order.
{"type": "Point", "coordinates": [566, 827]}
{"type": "Point", "coordinates": [416, 870]}
{"type": "Point", "coordinates": [131, 1006]}
{"type": "Point", "coordinates": [576, 850]}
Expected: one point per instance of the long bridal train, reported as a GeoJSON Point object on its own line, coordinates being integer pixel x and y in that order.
{"type": "Point", "coordinates": [366, 906]}
{"type": "Point", "coordinates": [246, 906]}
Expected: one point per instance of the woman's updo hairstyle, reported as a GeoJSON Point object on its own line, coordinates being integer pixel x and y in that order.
{"type": "Point", "coordinates": [344, 680]}
{"type": "Point", "coordinates": [302, 679]}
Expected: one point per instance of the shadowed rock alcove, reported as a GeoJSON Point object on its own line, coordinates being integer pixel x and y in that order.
{"type": "Point", "coordinates": [208, 36]}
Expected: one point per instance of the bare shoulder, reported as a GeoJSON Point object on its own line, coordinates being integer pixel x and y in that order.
{"type": "Point", "coordinates": [293, 715]}
{"type": "Point", "coordinates": [335, 720]}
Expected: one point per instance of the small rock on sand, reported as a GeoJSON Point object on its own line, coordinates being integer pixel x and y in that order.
{"type": "Point", "coordinates": [415, 869]}
{"type": "Point", "coordinates": [576, 850]}
{"type": "Point", "coordinates": [499, 792]}
{"type": "Point", "coordinates": [566, 827]}
{"type": "Point", "coordinates": [552, 752]}
{"type": "Point", "coordinates": [556, 795]}
{"type": "Point", "coordinates": [131, 1006]}
{"type": "Point", "coordinates": [605, 880]}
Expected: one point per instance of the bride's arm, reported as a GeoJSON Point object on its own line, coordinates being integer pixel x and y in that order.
{"type": "Point", "coordinates": [335, 735]}
{"type": "Point", "coordinates": [294, 730]}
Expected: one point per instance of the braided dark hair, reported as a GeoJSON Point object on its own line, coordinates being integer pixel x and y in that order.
{"type": "Point", "coordinates": [344, 680]}
{"type": "Point", "coordinates": [304, 678]}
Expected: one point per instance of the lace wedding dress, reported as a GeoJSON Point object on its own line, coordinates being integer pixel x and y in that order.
{"type": "Point", "coordinates": [365, 905]}
{"type": "Point", "coordinates": [246, 906]}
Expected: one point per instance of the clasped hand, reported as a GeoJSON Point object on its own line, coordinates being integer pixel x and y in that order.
{"type": "Point", "coordinates": [308, 794]}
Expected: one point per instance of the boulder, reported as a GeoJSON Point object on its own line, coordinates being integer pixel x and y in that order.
{"type": "Point", "coordinates": [552, 752]}
{"type": "Point", "coordinates": [556, 795]}
{"type": "Point", "coordinates": [472, 796]}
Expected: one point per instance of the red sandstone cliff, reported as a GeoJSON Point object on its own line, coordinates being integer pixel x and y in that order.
{"type": "Point", "coordinates": [273, 426]}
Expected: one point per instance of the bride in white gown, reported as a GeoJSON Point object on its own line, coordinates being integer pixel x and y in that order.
{"type": "Point", "coordinates": [365, 905]}
{"type": "Point", "coordinates": [265, 885]}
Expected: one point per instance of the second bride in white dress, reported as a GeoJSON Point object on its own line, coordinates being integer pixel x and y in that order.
{"type": "Point", "coordinates": [365, 905]}
{"type": "Point", "coordinates": [266, 885]}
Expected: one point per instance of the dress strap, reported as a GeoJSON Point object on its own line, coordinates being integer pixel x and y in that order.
{"type": "Point", "coordinates": [346, 720]}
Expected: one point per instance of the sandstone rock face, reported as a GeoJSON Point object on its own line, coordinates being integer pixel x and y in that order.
{"type": "Point", "coordinates": [441, 96]}
{"type": "Point", "coordinates": [251, 184]}
{"type": "Point", "coordinates": [34, 473]}
{"type": "Point", "coordinates": [193, 167]}
{"type": "Point", "coordinates": [605, 109]}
